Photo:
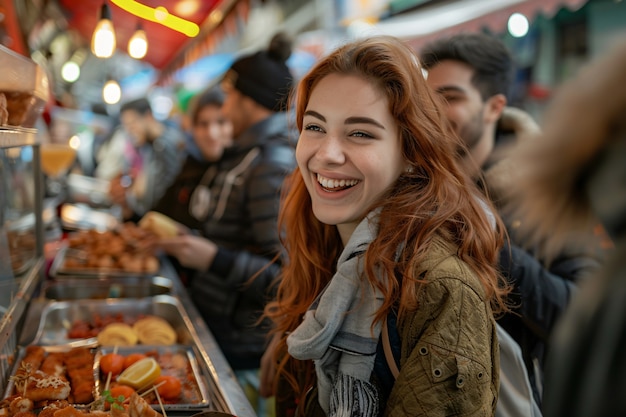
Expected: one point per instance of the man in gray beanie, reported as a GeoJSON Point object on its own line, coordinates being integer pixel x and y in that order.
{"type": "Point", "coordinates": [239, 238]}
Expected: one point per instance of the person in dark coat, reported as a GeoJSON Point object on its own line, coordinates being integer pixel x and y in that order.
{"type": "Point", "coordinates": [473, 73]}
{"type": "Point", "coordinates": [575, 178]}
{"type": "Point", "coordinates": [236, 255]}
{"type": "Point", "coordinates": [212, 133]}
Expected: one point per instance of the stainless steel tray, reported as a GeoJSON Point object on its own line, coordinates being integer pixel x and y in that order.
{"type": "Point", "coordinates": [57, 316]}
{"type": "Point", "coordinates": [20, 355]}
{"type": "Point", "coordinates": [61, 268]}
{"type": "Point", "coordinates": [82, 217]}
{"type": "Point", "coordinates": [194, 394]}
{"type": "Point", "coordinates": [71, 288]}
{"type": "Point", "coordinates": [90, 190]}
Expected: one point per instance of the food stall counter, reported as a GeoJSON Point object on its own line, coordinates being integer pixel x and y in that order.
{"type": "Point", "coordinates": [171, 301]}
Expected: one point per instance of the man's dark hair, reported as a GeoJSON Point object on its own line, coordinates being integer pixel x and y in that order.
{"type": "Point", "coordinates": [140, 105]}
{"type": "Point", "coordinates": [210, 97]}
{"type": "Point", "coordinates": [488, 56]}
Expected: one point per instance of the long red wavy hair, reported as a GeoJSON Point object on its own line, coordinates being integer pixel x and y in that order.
{"type": "Point", "coordinates": [435, 199]}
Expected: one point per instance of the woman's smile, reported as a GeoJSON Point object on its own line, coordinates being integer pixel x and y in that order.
{"type": "Point", "coordinates": [331, 185]}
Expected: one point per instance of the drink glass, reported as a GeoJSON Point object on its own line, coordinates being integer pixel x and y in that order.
{"type": "Point", "coordinates": [56, 160]}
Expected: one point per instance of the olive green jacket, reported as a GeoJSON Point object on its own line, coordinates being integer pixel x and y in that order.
{"type": "Point", "coordinates": [449, 363]}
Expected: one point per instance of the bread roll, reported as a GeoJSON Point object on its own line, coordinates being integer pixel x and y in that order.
{"type": "Point", "coordinates": [159, 224]}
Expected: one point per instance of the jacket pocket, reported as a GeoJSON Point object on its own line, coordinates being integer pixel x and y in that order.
{"type": "Point", "coordinates": [443, 365]}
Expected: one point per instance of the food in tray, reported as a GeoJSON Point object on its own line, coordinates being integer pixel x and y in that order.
{"type": "Point", "coordinates": [82, 329]}
{"type": "Point", "coordinates": [120, 331]}
{"type": "Point", "coordinates": [165, 376]}
{"type": "Point", "coordinates": [153, 330]}
{"type": "Point", "coordinates": [140, 374]}
{"type": "Point", "coordinates": [125, 249]}
{"type": "Point", "coordinates": [134, 406]}
{"type": "Point", "coordinates": [169, 371]}
{"type": "Point", "coordinates": [4, 113]}
{"type": "Point", "coordinates": [48, 376]}
{"type": "Point", "coordinates": [117, 334]}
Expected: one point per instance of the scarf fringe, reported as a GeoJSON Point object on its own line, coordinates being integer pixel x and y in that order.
{"type": "Point", "coordinates": [353, 397]}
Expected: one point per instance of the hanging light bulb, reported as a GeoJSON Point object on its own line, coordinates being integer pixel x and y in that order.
{"type": "Point", "coordinates": [111, 92]}
{"type": "Point", "coordinates": [70, 71]}
{"type": "Point", "coordinates": [103, 39]}
{"type": "Point", "coordinates": [138, 44]}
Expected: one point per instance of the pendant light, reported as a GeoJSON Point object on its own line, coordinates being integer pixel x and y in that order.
{"type": "Point", "coordinates": [111, 92]}
{"type": "Point", "coordinates": [138, 43]}
{"type": "Point", "coordinates": [103, 39]}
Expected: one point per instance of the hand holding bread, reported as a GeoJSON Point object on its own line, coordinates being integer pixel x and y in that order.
{"type": "Point", "coordinates": [160, 224]}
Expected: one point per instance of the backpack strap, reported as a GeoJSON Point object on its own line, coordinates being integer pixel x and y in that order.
{"type": "Point", "coordinates": [391, 362]}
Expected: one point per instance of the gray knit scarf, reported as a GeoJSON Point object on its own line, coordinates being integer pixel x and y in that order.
{"type": "Point", "coordinates": [337, 335]}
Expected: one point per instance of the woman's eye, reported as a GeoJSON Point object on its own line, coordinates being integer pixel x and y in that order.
{"type": "Point", "coordinates": [314, 128]}
{"type": "Point", "coordinates": [362, 135]}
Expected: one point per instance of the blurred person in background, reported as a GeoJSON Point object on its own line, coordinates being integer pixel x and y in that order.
{"type": "Point", "coordinates": [109, 153]}
{"type": "Point", "coordinates": [572, 177]}
{"type": "Point", "coordinates": [239, 237]}
{"type": "Point", "coordinates": [187, 199]}
{"type": "Point", "coordinates": [473, 73]}
{"type": "Point", "coordinates": [153, 156]}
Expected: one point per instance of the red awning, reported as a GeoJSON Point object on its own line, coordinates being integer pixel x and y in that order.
{"type": "Point", "coordinates": [211, 34]}
{"type": "Point", "coordinates": [425, 24]}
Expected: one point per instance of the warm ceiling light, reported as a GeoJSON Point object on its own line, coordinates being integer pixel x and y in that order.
{"type": "Point", "coordinates": [103, 39]}
{"type": "Point", "coordinates": [187, 7]}
{"type": "Point", "coordinates": [70, 71]}
{"type": "Point", "coordinates": [138, 44]}
{"type": "Point", "coordinates": [111, 92]}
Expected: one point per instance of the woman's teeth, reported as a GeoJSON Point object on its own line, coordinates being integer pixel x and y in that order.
{"type": "Point", "coordinates": [335, 185]}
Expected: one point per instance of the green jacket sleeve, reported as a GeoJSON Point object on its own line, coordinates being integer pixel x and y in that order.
{"type": "Point", "coordinates": [449, 359]}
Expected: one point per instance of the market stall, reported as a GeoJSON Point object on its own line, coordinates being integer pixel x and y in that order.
{"type": "Point", "coordinates": [46, 313]}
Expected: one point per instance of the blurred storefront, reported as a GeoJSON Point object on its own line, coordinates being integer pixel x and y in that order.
{"type": "Point", "coordinates": [561, 36]}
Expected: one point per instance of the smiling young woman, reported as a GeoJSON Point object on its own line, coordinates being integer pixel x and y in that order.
{"type": "Point", "coordinates": [381, 224]}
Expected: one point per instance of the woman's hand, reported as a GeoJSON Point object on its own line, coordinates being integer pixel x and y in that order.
{"type": "Point", "coordinates": [191, 251]}
{"type": "Point", "coordinates": [268, 368]}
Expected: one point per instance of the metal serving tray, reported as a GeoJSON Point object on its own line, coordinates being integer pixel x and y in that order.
{"type": "Point", "coordinates": [60, 268]}
{"type": "Point", "coordinates": [133, 287]}
{"type": "Point", "coordinates": [194, 393]}
{"type": "Point", "coordinates": [89, 190]}
{"type": "Point", "coordinates": [21, 354]}
{"type": "Point", "coordinates": [82, 217]}
{"type": "Point", "coordinates": [58, 316]}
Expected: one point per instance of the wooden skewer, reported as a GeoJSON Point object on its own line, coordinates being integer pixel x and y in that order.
{"type": "Point", "coordinates": [156, 391]}
{"type": "Point", "coordinates": [108, 383]}
{"type": "Point", "coordinates": [152, 388]}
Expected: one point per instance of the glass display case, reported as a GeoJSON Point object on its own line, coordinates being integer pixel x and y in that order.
{"type": "Point", "coordinates": [23, 93]}
{"type": "Point", "coordinates": [21, 231]}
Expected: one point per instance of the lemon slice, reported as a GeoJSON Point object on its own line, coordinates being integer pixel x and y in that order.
{"type": "Point", "coordinates": [140, 373]}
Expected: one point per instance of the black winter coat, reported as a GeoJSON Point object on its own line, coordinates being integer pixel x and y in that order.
{"type": "Point", "coordinates": [242, 221]}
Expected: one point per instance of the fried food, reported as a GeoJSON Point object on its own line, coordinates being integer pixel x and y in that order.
{"type": "Point", "coordinates": [39, 386]}
{"type": "Point", "coordinates": [117, 334]}
{"type": "Point", "coordinates": [128, 248]}
{"type": "Point", "coordinates": [153, 330]}
{"type": "Point", "coordinates": [138, 407]}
